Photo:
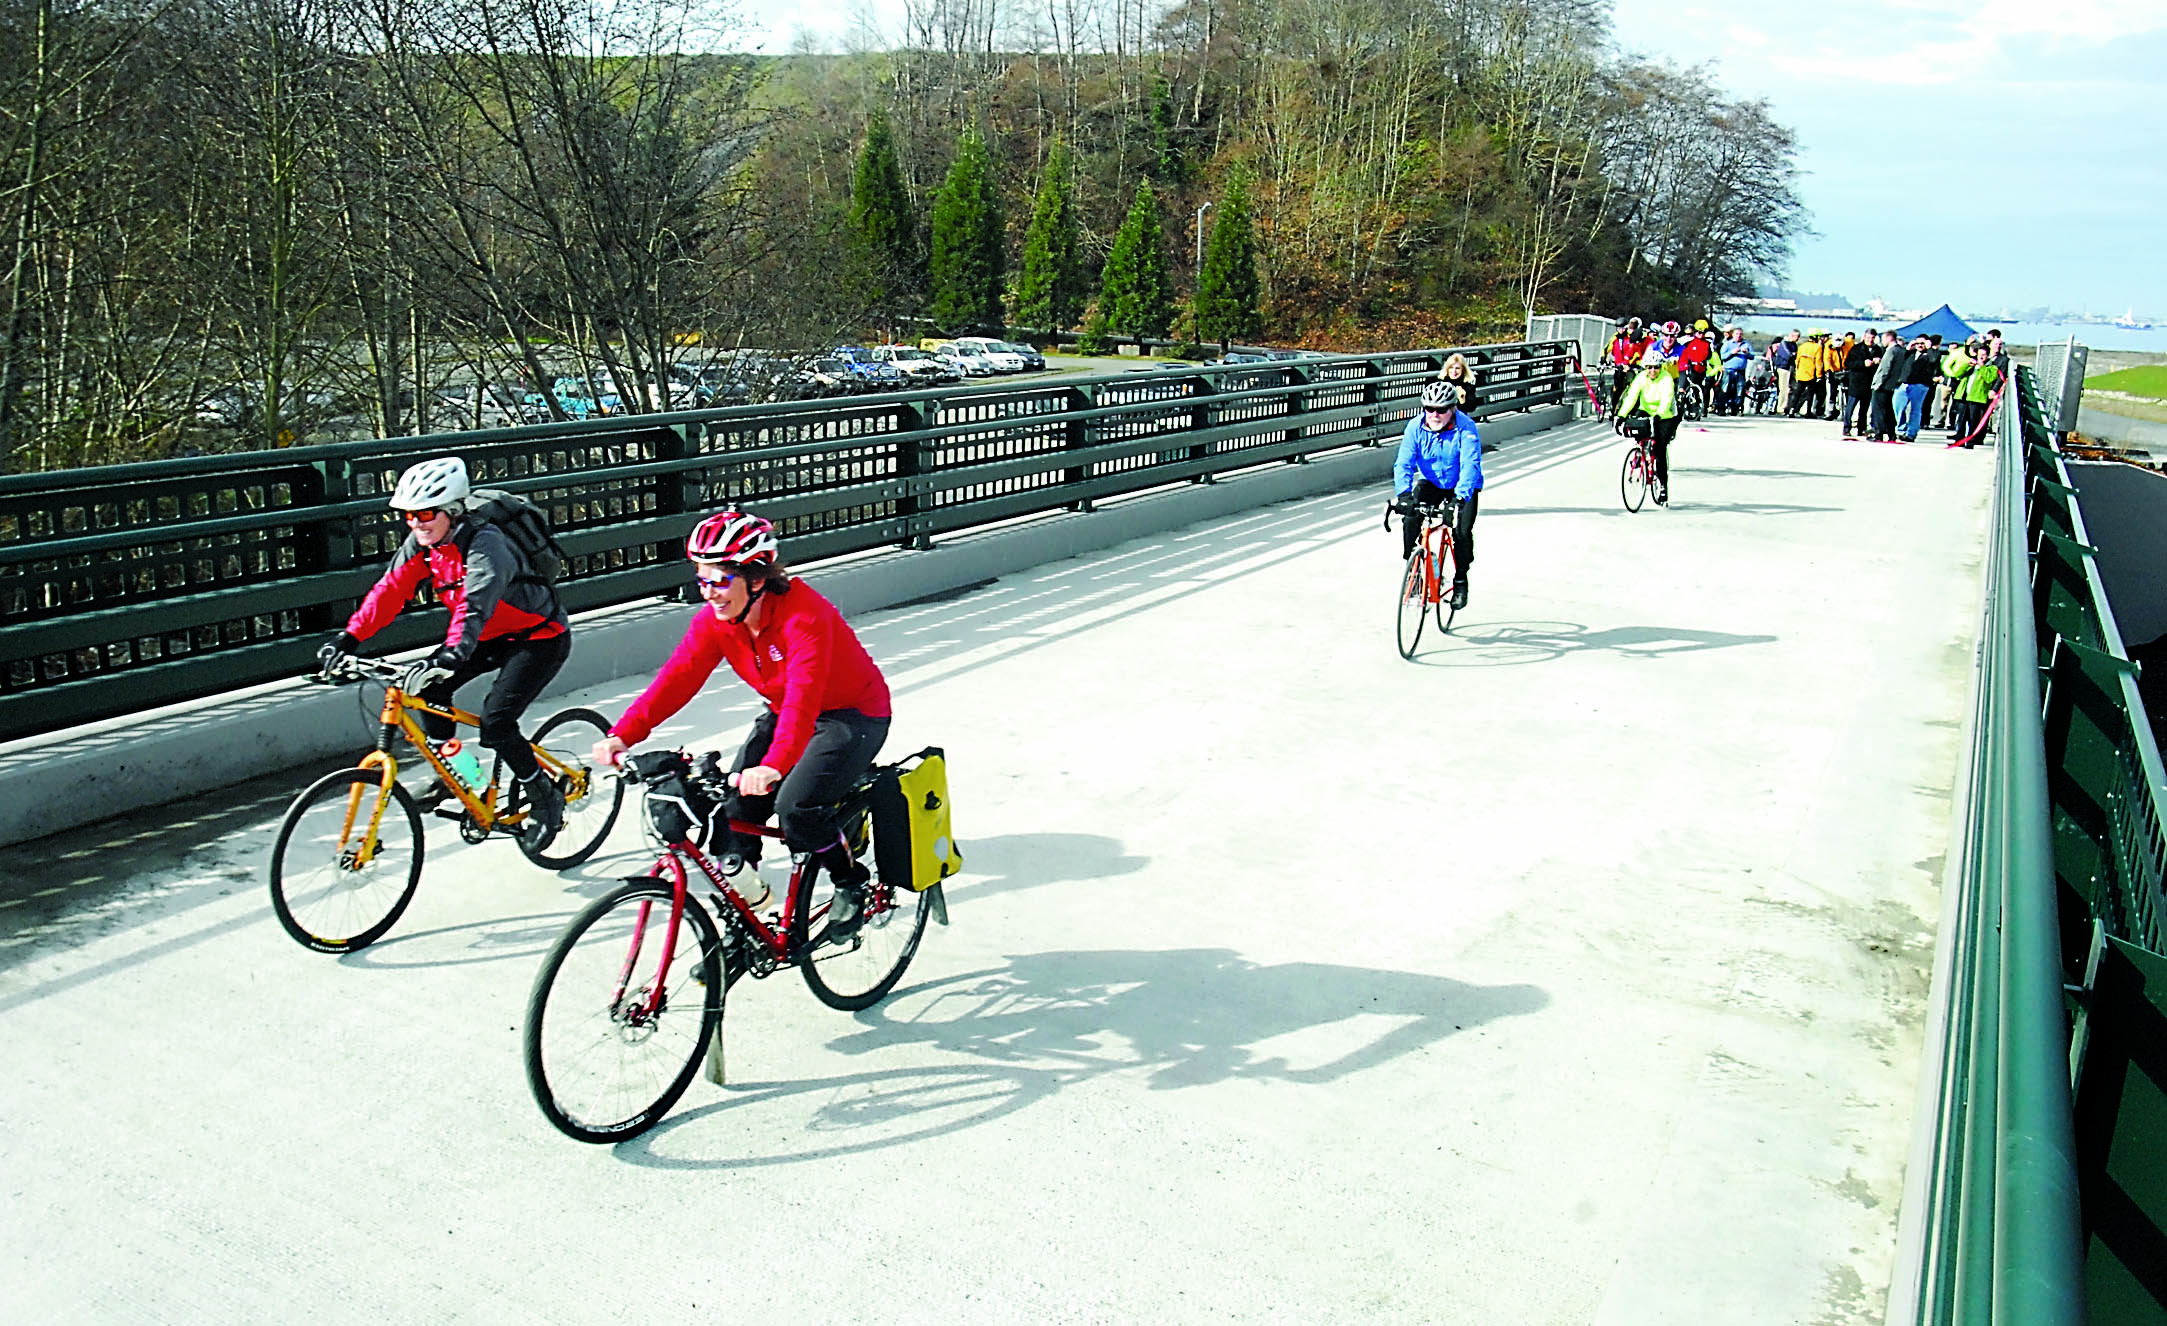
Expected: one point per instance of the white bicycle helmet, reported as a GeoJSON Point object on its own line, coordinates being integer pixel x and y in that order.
{"type": "Point", "coordinates": [1440, 396]}
{"type": "Point", "coordinates": [441, 483]}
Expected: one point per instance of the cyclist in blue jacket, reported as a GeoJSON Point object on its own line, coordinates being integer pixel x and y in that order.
{"type": "Point", "coordinates": [1440, 460]}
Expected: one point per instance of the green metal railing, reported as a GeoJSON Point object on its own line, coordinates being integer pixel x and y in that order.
{"type": "Point", "coordinates": [2039, 1190]}
{"type": "Point", "coordinates": [126, 587]}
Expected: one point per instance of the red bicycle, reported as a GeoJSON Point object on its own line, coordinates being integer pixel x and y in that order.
{"type": "Point", "coordinates": [1426, 585]}
{"type": "Point", "coordinates": [630, 999]}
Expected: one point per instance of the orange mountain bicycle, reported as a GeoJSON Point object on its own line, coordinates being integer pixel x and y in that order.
{"type": "Point", "coordinates": [348, 854]}
{"type": "Point", "coordinates": [1426, 586]}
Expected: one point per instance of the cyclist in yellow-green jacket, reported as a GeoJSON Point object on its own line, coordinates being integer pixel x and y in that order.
{"type": "Point", "coordinates": [1654, 393]}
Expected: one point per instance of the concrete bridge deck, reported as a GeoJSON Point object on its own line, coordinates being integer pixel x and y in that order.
{"type": "Point", "coordinates": [1573, 972]}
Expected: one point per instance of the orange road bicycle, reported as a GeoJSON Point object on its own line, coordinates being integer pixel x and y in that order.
{"type": "Point", "coordinates": [1426, 586]}
{"type": "Point", "coordinates": [348, 854]}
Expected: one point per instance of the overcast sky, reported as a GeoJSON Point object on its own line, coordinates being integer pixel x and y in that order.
{"type": "Point", "coordinates": [2008, 153]}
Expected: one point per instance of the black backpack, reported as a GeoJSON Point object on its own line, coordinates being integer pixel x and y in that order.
{"type": "Point", "coordinates": [526, 526]}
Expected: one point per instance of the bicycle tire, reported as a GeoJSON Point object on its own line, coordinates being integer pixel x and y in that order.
{"type": "Point", "coordinates": [582, 1036]}
{"type": "Point", "coordinates": [590, 814]}
{"type": "Point", "coordinates": [860, 971]}
{"type": "Point", "coordinates": [1446, 556]}
{"type": "Point", "coordinates": [1633, 479]}
{"type": "Point", "coordinates": [1412, 608]}
{"type": "Point", "coordinates": [310, 901]}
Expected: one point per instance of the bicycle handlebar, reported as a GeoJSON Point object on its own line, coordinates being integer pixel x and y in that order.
{"type": "Point", "coordinates": [352, 667]}
{"type": "Point", "coordinates": [1426, 510]}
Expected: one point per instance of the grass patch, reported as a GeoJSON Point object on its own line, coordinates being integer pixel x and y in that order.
{"type": "Point", "coordinates": [2144, 380]}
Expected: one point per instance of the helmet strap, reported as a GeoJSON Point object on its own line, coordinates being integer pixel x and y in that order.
{"type": "Point", "coordinates": [752, 598]}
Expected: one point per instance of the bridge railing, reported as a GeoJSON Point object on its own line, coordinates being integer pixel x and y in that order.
{"type": "Point", "coordinates": [126, 587]}
{"type": "Point", "coordinates": [2038, 1189]}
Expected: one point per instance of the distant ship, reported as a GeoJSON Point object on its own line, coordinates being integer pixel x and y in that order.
{"type": "Point", "coordinates": [2129, 320]}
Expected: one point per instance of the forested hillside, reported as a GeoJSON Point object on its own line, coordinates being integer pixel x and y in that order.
{"type": "Point", "coordinates": [240, 222]}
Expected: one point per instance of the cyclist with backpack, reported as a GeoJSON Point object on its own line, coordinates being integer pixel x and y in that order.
{"type": "Point", "coordinates": [827, 703]}
{"type": "Point", "coordinates": [505, 618]}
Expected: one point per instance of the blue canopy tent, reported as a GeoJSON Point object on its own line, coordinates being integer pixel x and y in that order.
{"type": "Point", "coordinates": [1941, 322]}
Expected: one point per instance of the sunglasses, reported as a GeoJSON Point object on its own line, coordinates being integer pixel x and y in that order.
{"type": "Point", "coordinates": [1437, 409]}
{"type": "Point", "coordinates": [423, 515]}
{"type": "Point", "coordinates": [717, 582]}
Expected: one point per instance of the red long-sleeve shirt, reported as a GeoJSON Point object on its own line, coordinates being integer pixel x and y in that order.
{"type": "Point", "coordinates": [804, 662]}
{"type": "Point", "coordinates": [475, 573]}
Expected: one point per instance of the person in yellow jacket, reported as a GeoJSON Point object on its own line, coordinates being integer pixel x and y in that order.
{"type": "Point", "coordinates": [1977, 394]}
{"type": "Point", "coordinates": [1654, 393]}
{"type": "Point", "coordinates": [1806, 375]}
{"type": "Point", "coordinates": [1955, 367]}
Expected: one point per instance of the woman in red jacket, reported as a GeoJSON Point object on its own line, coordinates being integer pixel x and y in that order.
{"type": "Point", "coordinates": [827, 704]}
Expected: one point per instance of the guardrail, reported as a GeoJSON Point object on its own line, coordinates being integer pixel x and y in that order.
{"type": "Point", "coordinates": [127, 587]}
{"type": "Point", "coordinates": [2038, 1188]}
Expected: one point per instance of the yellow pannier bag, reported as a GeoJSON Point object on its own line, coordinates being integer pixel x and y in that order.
{"type": "Point", "coordinates": [913, 844]}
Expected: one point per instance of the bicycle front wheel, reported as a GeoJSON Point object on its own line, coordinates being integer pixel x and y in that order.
{"type": "Point", "coordinates": [1633, 479]}
{"type": "Point", "coordinates": [1413, 607]}
{"type": "Point", "coordinates": [858, 970]}
{"type": "Point", "coordinates": [591, 803]}
{"type": "Point", "coordinates": [346, 861]}
{"type": "Point", "coordinates": [1446, 561]}
{"type": "Point", "coordinates": [619, 1015]}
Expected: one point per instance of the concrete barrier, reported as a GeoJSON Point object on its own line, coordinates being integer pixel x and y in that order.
{"type": "Point", "coordinates": [65, 779]}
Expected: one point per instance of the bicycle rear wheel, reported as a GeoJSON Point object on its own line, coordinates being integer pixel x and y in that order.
{"type": "Point", "coordinates": [857, 971]}
{"type": "Point", "coordinates": [605, 1059]}
{"type": "Point", "coordinates": [1633, 479]}
{"type": "Point", "coordinates": [1413, 607]}
{"type": "Point", "coordinates": [590, 803]}
{"type": "Point", "coordinates": [334, 885]}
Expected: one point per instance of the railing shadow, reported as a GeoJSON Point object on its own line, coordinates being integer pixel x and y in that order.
{"type": "Point", "coordinates": [1181, 1018]}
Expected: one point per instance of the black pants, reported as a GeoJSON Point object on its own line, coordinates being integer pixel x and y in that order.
{"type": "Point", "coordinates": [843, 746]}
{"type": "Point", "coordinates": [1884, 413]}
{"type": "Point", "coordinates": [523, 668]}
{"type": "Point", "coordinates": [1463, 528]}
{"type": "Point", "coordinates": [1665, 430]}
{"type": "Point", "coordinates": [1854, 410]}
{"type": "Point", "coordinates": [1620, 378]}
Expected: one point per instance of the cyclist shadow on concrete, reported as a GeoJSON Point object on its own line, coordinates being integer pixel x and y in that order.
{"type": "Point", "coordinates": [1181, 1018]}
{"type": "Point", "coordinates": [1192, 1016]}
{"type": "Point", "coordinates": [1511, 644]}
{"type": "Point", "coordinates": [1028, 860]}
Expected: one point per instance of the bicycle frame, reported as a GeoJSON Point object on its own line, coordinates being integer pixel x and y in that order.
{"type": "Point", "coordinates": [398, 716]}
{"type": "Point", "coordinates": [1436, 547]}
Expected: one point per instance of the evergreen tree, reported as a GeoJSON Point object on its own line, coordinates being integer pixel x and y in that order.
{"type": "Point", "coordinates": [1227, 291]}
{"type": "Point", "coordinates": [1052, 290]}
{"type": "Point", "coordinates": [967, 259]}
{"type": "Point", "coordinates": [881, 220]}
{"type": "Point", "coordinates": [1136, 293]}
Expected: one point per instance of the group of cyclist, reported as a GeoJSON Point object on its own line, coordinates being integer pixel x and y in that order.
{"type": "Point", "coordinates": [827, 707]}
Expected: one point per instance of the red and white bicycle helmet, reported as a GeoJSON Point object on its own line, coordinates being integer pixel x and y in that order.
{"type": "Point", "coordinates": [737, 537]}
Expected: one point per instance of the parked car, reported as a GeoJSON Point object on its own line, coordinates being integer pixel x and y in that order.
{"type": "Point", "coordinates": [1033, 361]}
{"type": "Point", "coordinates": [922, 367]}
{"type": "Point", "coordinates": [967, 360]}
{"type": "Point", "coordinates": [997, 353]}
{"type": "Point", "coordinates": [871, 373]}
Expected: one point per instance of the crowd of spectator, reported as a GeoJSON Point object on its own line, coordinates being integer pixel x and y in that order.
{"type": "Point", "coordinates": [1878, 387]}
